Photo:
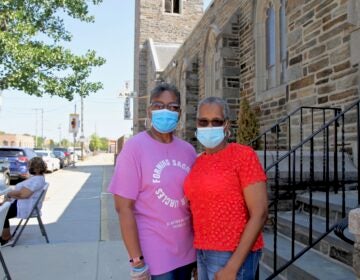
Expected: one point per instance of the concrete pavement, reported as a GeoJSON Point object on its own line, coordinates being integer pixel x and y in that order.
{"type": "Point", "coordinates": [82, 226]}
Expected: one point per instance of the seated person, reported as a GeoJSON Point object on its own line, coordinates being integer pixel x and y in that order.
{"type": "Point", "coordinates": [24, 196]}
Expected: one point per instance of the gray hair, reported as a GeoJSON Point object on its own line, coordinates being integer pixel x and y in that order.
{"type": "Point", "coordinates": [159, 89]}
{"type": "Point", "coordinates": [217, 101]}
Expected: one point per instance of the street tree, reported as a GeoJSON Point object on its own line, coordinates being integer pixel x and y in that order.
{"type": "Point", "coordinates": [64, 143]}
{"type": "Point", "coordinates": [104, 144]}
{"type": "Point", "coordinates": [33, 58]}
{"type": "Point", "coordinates": [95, 143]}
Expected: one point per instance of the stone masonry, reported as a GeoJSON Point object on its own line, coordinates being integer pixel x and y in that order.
{"type": "Point", "coordinates": [354, 228]}
{"type": "Point", "coordinates": [223, 53]}
{"type": "Point", "coordinates": [151, 21]}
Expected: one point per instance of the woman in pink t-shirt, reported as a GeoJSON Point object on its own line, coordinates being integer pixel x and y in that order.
{"type": "Point", "coordinates": [148, 192]}
{"type": "Point", "coordinates": [228, 199]}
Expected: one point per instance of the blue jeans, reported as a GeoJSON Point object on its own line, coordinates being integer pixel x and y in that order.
{"type": "Point", "coordinates": [180, 273]}
{"type": "Point", "coordinates": [209, 262]}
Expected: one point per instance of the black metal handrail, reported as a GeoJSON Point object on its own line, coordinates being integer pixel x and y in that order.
{"type": "Point", "coordinates": [288, 116]}
{"type": "Point", "coordinates": [331, 135]}
{"type": "Point", "coordinates": [285, 122]}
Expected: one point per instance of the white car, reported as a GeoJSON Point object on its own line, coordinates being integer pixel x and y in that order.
{"type": "Point", "coordinates": [50, 159]}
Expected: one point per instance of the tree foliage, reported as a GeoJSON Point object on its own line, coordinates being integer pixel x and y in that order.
{"type": "Point", "coordinates": [32, 58]}
{"type": "Point", "coordinates": [95, 142]}
{"type": "Point", "coordinates": [104, 144]}
{"type": "Point", "coordinates": [64, 143]}
{"type": "Point", "coordinates": [98, 143]}
{"type": "Point", "coordinates": [248, 124]}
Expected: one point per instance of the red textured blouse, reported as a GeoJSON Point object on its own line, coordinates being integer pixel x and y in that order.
{"type": "Point", "coordinates": [214, 188]}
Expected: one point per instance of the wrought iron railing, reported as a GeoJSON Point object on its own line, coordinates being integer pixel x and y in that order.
{"type": "Point", "coordinates": [317, 162]}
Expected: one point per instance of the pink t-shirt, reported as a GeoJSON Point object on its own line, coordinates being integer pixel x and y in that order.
{"type": "Point", "coordinates": [152, 174]}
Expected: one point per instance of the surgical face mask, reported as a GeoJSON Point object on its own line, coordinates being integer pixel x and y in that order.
{"type": "Point", "coordinates": [164, 121]}
{"type": "Point", "coordinates": [210, 137]}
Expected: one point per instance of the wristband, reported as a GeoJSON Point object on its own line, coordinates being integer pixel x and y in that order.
{"type": "Point", "coordinates": [140, 269]}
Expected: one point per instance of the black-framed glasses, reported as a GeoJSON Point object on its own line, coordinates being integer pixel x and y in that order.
{"type": "Point", "coordinates": [214, 122]}
{"type": "Point", "coordinates": [175, 107]}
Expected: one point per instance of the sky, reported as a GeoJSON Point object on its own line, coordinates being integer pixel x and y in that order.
{"type": "Point", "coordinates": [112, 37]}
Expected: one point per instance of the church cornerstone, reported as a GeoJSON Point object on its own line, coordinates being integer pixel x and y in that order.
{"type": "Point", "coordinates": [354, 228]}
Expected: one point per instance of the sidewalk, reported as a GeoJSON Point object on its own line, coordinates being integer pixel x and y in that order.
{"type": "Point", "coordinates": [82, 226]}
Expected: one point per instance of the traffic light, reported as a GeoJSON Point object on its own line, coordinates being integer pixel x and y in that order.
{"type": "Point", "coordinates": [73, 123]}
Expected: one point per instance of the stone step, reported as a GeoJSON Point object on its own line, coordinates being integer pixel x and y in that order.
{"type": "Point", "coordinates": [350, 170]}
{"type": "Point", "coordinates": [332, 246]}
{"type": "Point", "coordinates": [265, 272]}
{"type": "Point", "coordinates": [312, 265]}
{"type": "Point", "coordinates": [335, 202]}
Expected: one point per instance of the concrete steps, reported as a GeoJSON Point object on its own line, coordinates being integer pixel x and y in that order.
{"type": "Point", "coordinates": [331, 245]}
{"type": "Point", "coordinates": [330, 259]}
{"type": "Point", "coordinates": [312, 265]}
{"type": "Point", "coordinates": [319, 203]}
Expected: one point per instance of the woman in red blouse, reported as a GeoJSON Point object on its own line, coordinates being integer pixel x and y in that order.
{"type": "Point", "coordinates": [228, 199]}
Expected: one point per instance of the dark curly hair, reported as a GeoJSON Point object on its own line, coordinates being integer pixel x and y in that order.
{"type": "Point", "coordinates": [37, 166]}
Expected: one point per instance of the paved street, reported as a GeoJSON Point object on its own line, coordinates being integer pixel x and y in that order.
{"type": "Point", "coordinates": [82, 227]}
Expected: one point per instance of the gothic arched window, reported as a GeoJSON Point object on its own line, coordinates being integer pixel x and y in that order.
{"type": "Point", "coordinates": [283, 41]}
{"type": "Point", "coordinates": [271, 46]}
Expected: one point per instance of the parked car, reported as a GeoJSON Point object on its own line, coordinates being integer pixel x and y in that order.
{"type": "Point", "coordinates": [4, 174]}
{"type": "Point", "coordinates": [51, 161]}
{"type": "Point", "coordinates": [63, 159]}
{"type": "Point", "coordinates": [67, 154]}
{"type": "Point", "coordinates": [18, 158]}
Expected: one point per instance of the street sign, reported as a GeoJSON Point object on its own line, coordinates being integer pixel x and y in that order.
{"type": "Point", "coordinates": [74, 123]}
{"type": "Point", "coordinates": [127, 111]}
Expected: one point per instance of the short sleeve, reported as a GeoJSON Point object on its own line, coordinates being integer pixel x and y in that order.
{"type": "Point", "coordinates": [126, 180]}
{"type": "Point", "coordinates": [33, 184]}
{"type": "Point", "coordinates": [250, 170]}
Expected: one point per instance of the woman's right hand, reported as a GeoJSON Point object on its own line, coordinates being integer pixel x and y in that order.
{"type": "Point", "coordinates": [142, 273]}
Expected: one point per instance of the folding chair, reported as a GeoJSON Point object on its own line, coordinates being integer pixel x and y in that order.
{"type": "Point", "coordinates": [3, 211]}
{"type": "Point", "coordinates": [35, 213]}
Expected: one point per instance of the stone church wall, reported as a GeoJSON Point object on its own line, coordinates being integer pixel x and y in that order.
{"type": "Point", "coordinates": [322, 57]}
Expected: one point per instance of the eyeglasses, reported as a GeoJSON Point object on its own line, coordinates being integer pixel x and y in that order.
{"type": "Point", "coordinates": [160, 106]}
{"type": "Point", "coordinates": [214, 122]}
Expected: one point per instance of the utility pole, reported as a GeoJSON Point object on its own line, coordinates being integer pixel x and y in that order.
{"type": "Point", "coordinates": [59, 128]}
{"type": "Point", "coordinates": [36, 131]}
{"type": "Point", "coordinates": [36, 126]}
{"type": "Point", "coordinates": [74, 142]}
{"type": "Point", "coordinates": [82, 138]}
{"type": "Point", "coordinates": [42, 127]}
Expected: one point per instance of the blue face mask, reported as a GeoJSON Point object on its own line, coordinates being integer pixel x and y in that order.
{"type": "Point", "coordinates": [164, 121]}
{"type": "Point", "coordinates": [210, 137]}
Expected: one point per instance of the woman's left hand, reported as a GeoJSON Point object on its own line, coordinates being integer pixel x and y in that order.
{"type": "Point", "coordinates": [225, 274]}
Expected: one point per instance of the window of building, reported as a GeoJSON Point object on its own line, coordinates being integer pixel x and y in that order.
{"type": "Point", "coordinates": [271, 46]}
{"type": "Point", "coordinates": [172, 6]}
{"type": "Point", "coordinates": [283, 41]}
{"type": "Point", "coordinates": [212, 63]}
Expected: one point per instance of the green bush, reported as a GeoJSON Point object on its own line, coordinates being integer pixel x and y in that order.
{"type": "Point", "coordinates": [248, 124]}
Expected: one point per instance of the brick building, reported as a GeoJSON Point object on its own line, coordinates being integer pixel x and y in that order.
{"type": "Point", "coordinates": [17, 140]}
